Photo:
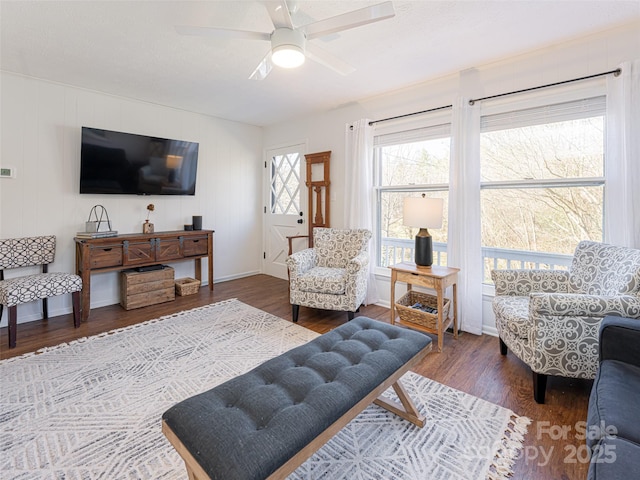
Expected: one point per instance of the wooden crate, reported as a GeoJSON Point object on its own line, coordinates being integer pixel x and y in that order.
{"type": "Point", "coordinates": [140, 289]}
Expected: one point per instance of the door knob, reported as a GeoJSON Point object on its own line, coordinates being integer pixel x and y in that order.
{"type": "Point", "coordinates": [300, 220]}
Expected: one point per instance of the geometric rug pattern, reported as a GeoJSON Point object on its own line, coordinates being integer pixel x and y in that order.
{"type": "Point", "coordinates": [92, 409]}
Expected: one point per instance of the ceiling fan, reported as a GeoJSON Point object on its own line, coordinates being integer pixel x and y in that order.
{"type": "Point", "coordinates": [290, 44]}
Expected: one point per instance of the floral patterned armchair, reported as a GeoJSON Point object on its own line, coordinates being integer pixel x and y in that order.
{"type": "Point", "coordinates": [550, 319]}
{"type": "Point", "coordinates": [333, 274]}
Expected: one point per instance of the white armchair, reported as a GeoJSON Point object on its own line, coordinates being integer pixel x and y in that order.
{"type": "Point", "coordinates": [333, 274]}
{"type": "Point", "coordinates": [550, 319]}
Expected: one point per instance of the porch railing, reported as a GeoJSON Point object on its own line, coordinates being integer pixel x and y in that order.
{"type": "Point", "coordinates": [396, 250]}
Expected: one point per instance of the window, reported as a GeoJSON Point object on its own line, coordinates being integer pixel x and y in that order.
{"type": "Point", "coordinates": [409, 163]}
{"type": "Point", "coordinates": [542, 184]}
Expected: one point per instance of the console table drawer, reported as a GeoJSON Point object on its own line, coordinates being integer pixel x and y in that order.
{"type": "Point", "coordinates": [168, 249]}
{"type": "Point", "coordinates": [416, 279]}
{"type": "Point", "coordinates": [104, 257]}
{"type": "Point", "coordinates": [195, 246]}
{"type": "Point", "coordinates": [138, 253]}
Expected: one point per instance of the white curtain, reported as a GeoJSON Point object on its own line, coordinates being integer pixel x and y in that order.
{"type": "Point", "coordinates": [359, 193]}
{"type": "Point", "coordinates": [622, 158]}
{"type": "Point", "coordinates": [464, 244]}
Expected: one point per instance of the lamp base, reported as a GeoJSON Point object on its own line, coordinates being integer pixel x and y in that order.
{"type": "Point", "coordinates": [424, 248]}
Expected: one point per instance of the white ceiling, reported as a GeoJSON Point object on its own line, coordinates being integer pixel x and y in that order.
{"type": "Point", "coordinates": [131, 49]}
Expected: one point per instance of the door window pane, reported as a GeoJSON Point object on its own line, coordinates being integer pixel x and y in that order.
{"type": "Point", "coordinates": [285, 184]}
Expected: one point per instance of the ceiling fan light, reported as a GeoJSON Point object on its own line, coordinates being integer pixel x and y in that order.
{"type": "Point", "coordinates": [287, 48]}
{"type": "Point", "coordinates": [288, 56]}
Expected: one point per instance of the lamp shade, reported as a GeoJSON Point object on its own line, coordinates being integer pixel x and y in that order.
{"type": "Point", "coordinates": [174, 161]}
{"type": "Point", "coordinates": [422, 212]}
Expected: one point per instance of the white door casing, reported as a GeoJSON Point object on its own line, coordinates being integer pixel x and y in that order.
{"type": "Point", "coordinates": [285, 200]}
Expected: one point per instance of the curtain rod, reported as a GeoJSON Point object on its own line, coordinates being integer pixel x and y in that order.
{"type": "Point", "coordinates": [373, 122]}
{"type": "Point", "coordinates": [615, 72]}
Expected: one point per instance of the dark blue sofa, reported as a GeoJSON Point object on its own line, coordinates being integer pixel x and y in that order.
{"type": "Point", "coordinates": [613, 431]}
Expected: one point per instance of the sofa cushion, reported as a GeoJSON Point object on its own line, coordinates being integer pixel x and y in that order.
{"type": "Point", "coordinates": [336, 247]}
{"type": "Point", "coordinates": [601, 269]}
{"type": "Point", "coordinates": [323, 280]}
{"type": "Point", "coordinates": [614, 403]}
{"type": "Point", "coordinates": [512, 313]}
{"type": "Point", "coordinates": [614, 459]}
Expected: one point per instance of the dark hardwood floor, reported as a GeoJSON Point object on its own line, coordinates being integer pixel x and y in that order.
{"type": "Point", "coordinates": [553, 446]}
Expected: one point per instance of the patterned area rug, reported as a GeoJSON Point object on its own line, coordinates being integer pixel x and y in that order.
{"type": "Point", "coordinates": [91, 409]}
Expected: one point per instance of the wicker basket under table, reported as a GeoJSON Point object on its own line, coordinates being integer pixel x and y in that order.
{"type": "Point", "coordinates": [419, 317]}
{"type": "Point", "coordinates": [187, 286]}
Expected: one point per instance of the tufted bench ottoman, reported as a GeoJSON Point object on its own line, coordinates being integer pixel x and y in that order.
{"type": "Point", "coordinates": [267, 422]}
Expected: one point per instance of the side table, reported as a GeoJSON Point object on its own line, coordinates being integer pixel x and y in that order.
{"type": "Point", "coordinates": [434, 277]}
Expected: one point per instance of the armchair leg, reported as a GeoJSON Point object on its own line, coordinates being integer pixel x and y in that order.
{"type": "Point", "coordinates": [295, 310]}
{"type": "Point", "coordinates": [45, 309]}
{"type": "Point", "coordinates": [539, 386]}
{"type": "Point", "coordinates": [503, 347]}
{"type": "Point", "coordinates": [351, 315]}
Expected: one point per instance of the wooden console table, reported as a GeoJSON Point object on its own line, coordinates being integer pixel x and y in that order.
{"type": "Point", "coordinates": [435, 277]}
{"type": "Point", "coordinates": [139, 250]}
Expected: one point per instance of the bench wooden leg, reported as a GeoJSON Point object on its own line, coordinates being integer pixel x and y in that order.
{"type": "Point", "coordinates": [406, 409]}
{"type": "Point", "coordinates": [194, 470]}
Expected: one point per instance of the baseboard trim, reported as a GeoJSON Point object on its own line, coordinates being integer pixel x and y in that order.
{"type": "Point", "coordinates": [488, 330]}
{"type": "Point", "coordinates": [22, 318]}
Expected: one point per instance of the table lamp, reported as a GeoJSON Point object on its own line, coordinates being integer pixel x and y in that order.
{"type": "Point", "coordinates": [424, 213]}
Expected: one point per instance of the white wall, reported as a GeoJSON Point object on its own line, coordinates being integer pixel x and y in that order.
{"type": "Point", "coordinates": [40, 132]}
{"type": "Point", "coordinates": [581, 57]}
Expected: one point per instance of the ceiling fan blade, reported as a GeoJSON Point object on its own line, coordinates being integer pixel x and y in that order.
{"type": "Point", "coordinates": [223, 33]}
{"type": "Point", "coordinates": [328, 60]}
{"type": "Point", "coordinates": [263, 68]}
{"type": "Point", "coordinates": [279, 13]}
{"type": "Point", "coordinates": [349, 20]}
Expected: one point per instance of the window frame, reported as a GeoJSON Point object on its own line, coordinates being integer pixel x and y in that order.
{"type": "Point", "coordinates": [430, 126]}
{"type": "Point", "coordinates": [593, 95]}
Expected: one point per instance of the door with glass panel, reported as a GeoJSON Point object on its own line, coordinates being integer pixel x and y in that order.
{"type": "Point", "coordinates": [285, 206]}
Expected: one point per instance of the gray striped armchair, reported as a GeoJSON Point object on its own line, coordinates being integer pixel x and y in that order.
{"type": "Point", "coordinates": [550, 319]}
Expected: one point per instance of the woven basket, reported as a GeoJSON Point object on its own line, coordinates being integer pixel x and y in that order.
{"type": "Point", "coordinates": [413, 315]}
{"type": "Point", "coordinates": [187, 286]}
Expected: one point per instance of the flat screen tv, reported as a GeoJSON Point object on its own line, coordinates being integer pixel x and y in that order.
{"type": "Point", "coordinates": [125, 163]}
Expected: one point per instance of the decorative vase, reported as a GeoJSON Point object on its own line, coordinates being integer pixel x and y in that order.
{"type": "Point", "coordinates": [147, 227]}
